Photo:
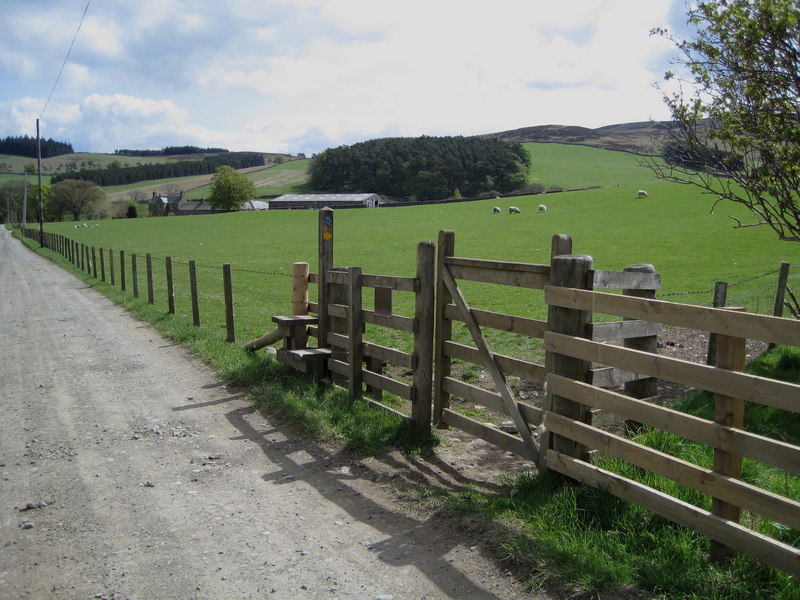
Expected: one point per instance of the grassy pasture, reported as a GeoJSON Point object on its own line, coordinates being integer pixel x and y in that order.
{"type": "Point", "coordinates": [672, 229]}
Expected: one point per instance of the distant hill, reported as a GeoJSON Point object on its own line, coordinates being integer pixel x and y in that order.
{"type": "Point", "coordinates": [640, 138]}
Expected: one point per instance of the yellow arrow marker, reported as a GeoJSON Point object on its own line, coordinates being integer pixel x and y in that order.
{"type": "Point", "coordinates": [327, 235]}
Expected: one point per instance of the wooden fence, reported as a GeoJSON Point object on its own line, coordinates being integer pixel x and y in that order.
{"type": "Point", "coordinates": [572, 437]}
{"type": "Point", "coordinates": [580, 366]}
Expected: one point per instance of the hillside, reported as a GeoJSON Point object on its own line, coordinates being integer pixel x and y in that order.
{"type": "Point", "coordinates": [640, 138]}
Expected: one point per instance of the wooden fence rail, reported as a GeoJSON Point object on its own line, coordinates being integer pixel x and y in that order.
{"type": "Point", "coordinates": [726, 434]}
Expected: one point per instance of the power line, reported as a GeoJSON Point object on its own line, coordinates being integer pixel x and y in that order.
{"type": "Point", "coordinates": [85, 10]}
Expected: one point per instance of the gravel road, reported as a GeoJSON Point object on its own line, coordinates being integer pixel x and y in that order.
{"type": "Point", "coordinates": [127, 470]}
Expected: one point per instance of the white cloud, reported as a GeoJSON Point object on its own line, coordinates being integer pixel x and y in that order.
{"type": "Point", "coordinates": [277, 74]}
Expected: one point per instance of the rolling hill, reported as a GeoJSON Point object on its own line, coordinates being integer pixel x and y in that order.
{"type": "Point", "coordinates": [640, 138]}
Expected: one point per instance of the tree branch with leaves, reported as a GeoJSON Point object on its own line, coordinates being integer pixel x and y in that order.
{"type": "Point", "coordinates": [737, 128]}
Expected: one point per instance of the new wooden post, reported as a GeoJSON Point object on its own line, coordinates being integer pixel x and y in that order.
{"type": "Point", "coordinates": [111, 264]}
{"type": "Point", "coordinates": [572, 271]}
{"type": "Point", "coordinates": [300, 271]}
{"type": "Point", "coordinates": [325, 264]}
{"type": "Point", "coordinates": [228, 291]}
{"type": "Point", "coordinates": [150, 292]}
{"type": "Point", "coordinates": [730, 412]}
{"type": "Point", "coordinates": [134, 276]}
{"type": "Point", "coordinates": [443, 330]}
{"type": "Point", "coordinates": [122, 270]}
{"type": "Point", "coordinates": [355, 325]}
{"type": "Point", "coordinates": [648, 387]}
{"type": "Point", "coordinates": [193, 290]}
{"type": "Point", "coordinates": [170, 286]}
{"type": "Point", "coordinates": [423, 336]}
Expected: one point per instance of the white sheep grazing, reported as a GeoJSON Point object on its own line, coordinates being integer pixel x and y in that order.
{"type": "Point", "coordinates": [496, 210]}
{"type": "Point", "coordinates": [85, 226]}
{"type": "Point", "coordinates": [97, 224]}
{"type": "Point", "coordinates": [76, 226]}
{"type": "Point", "coordinates": [513, 210]}
{"type": "Point", "coordinates": [642, 194]}
{"type": "Point", "coordinates": [542, 208]}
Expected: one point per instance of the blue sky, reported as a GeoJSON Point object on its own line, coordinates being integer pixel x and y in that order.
{"type": "Point", "coordinates": [304, 75]}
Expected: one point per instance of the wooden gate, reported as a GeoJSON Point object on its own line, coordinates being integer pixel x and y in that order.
{"type": "Point", "coordinates": [452, 305]}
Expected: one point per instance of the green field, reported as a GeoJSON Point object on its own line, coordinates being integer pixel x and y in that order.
{"type": "Point", "coordinates": [672, 229]}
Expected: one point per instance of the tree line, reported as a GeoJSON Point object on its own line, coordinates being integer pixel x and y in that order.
{"type": "Point", "coordinates": [186, 168]}
{"type": "Point", "coordinates": [171, 151]}
{"type": "Point", "coordinates": [26, 146]}
{"type": "Point", "coordinates": [427, 168]}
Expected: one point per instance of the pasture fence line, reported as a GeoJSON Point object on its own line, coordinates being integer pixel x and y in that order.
{"type": "Point", "coordinates": [204, 296]}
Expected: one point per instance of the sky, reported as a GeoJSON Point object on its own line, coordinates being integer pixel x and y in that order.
{"type": "Point", "coordinates": [300, 76]}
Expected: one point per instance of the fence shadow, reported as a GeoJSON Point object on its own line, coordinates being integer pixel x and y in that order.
{"type": "Point", "coordinates": [410, 541]}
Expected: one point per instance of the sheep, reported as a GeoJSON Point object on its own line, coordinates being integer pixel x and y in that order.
{"type": "Point", "coordinates": [513, 210]}
{"type": "Point", "coordinates": [642, 194]}
{"type": "Point", "coordinates": [85, 226]}
{"type": "Point", "coordinates": [496, 210]}
{"type": "Point", "coordinates": [542, 208]}
{"type": "Point", "coordinates": [76, 226]}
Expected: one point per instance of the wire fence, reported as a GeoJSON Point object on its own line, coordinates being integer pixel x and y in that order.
{"type": "Point", "coordinates": [259, 295]}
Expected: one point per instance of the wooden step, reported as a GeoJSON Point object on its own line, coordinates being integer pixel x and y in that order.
{"type": "Point", "coordinates": [291, 320]}
{"type": "Point", "coordinates": [310, 353]}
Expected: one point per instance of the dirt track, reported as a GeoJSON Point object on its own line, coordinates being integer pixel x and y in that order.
{"type": "Point", "coordinates": [128, 471]}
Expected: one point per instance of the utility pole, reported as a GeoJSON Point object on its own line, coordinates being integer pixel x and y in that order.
{"type": "Point", "coordinates": [41, 202]}
{"type": "Point", "coordinates": [25, 202]}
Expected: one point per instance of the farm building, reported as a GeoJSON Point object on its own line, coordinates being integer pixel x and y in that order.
{"type": "Point", "coordinates": [162, 205]}
{"type": "Point", "coordinates": [317, 201]}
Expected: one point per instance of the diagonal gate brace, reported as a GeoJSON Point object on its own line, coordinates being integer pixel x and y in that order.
{"type": "Point", "coordinates": [488, 358]}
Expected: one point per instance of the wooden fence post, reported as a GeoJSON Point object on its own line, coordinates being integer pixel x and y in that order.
{"type": "Point", "coordinates": [355, 325]}
{"type": "Point", "coordinates": [443, 330]}
{"type": "Point", "coordinates": [150, 293]}
{"type": "Point", "coordinates": [423, 336]}
{"type": "Point", "coordinates": [325, 264]}
{"type": "Point", "coordinates": [102, 265]}
{"type": "Point", "coordinates": [111, 264]}
{"type": "Point", "coordinates": [300, 271]}
{"type": "Point", "coordinates": [193, 290]}
{"type": "Point", "coordinates": [94, 263]}
{"type": "Point", "coordinates": [134, 276]}
{"type": "Point", "coordinates": [122, 270]}
{"type": "Point", "coordinates": [228, 291]}
{"type": "Point", "coordinates": [382, 304]}
{"type": "Point", "coordinates": [170, 286]}
{"type": "Point", "coordinates": [572, 271]}
{"type": "Point", "coordinates": [648, 387]}
{"type": "Point", "coordinates": [780, 294]}
{"type": "Point", "coordinates": [720, 298]}
{"type": "Point", "coordinates": [728, 411]}
{"type": "Point", "coordinates": [560, 244]}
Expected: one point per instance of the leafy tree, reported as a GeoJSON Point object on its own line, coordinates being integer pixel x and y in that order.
{"type": "Point", "coordinates": [77, 197]}
{"type": "Point", "coordinates": [736, 134]}
{"type": "Point", "coordinates": [230, 189]}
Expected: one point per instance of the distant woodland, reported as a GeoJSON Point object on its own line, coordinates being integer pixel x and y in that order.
{"type": "Point", "coordinates": [186, 168]}
{"type": "Point", "coordinates": [26, 146]}
{"type": "Point", "coordinates": [171, 151]}
{"type": "Point", "coordinates": [426, 167]}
